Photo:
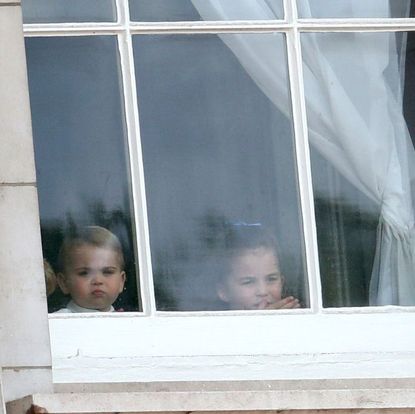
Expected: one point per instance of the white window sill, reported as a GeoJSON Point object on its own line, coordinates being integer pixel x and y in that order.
{"type": "Point", "coordinates": [231, 347]}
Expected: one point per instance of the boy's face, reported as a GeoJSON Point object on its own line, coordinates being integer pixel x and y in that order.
{"type": "Point", "coordinates": [254, 282]}
{"type": "Point", "coordinates": [92, 276]}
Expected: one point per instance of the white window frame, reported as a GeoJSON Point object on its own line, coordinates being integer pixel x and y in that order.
{"type": "Point", "coordinates": [238, 345]}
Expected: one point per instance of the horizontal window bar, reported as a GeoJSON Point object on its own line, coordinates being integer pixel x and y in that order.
{"type": "Point", "coordinates": [332, 25]}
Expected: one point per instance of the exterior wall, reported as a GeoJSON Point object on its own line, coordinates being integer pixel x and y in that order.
{"type": "Point", "coordinates": [24, 336]}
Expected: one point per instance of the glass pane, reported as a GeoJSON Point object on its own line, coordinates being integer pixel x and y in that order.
{"type": "Point", "coordinates": [61, 11]}
{"type": "Point", "coordinates": [182, 10]}
{"type": "Point", "coordinates": [362, 165]}
{"type": "Point", "coordinates": [220, 172]}
{"type": "Point", "coordinates": [81, 150]}
{"type": "Point", "coordinates": [353, 8]}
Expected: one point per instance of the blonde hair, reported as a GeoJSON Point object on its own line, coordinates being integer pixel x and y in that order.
{"type": "Point", "coordinates": [93, 235]}
{"type": "Point", "coordinates": [50, 278]}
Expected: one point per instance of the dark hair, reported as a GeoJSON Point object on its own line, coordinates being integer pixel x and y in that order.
{"type": "Point", "coordinates": [235, 239]}
{"type": "Point", "coordinates": [243, 236]}
{"type": "Point", "coordinates": [94, 235]}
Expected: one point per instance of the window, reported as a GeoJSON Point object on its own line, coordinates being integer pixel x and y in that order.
{"type": "Point", "coordinates": [80, 144]}
{"type": "Point", "coordinates": [173, 123]}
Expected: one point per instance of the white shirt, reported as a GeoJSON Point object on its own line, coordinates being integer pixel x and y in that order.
{"type": "Point", "coordinates": [72, 307]}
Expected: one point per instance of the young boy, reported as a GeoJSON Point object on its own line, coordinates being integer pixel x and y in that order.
{"type": "Point", "coordinates": [91, 267]}
{"type": "Point", "coordinates": [251, 278]}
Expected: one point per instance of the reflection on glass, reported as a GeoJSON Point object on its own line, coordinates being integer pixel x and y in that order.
{"type": "Point", "coordinates": [196, 10]}
{"type": "Point", "coordinates": [362, 165]}
{"type": "Point", "coordinates": [61, 11]}
{"type": "Point", "coordinates": [353, 8]}
{"type": "Point", "coordinates": [80, 146]}
{"type": "Point", "coordinates": [218, 157]}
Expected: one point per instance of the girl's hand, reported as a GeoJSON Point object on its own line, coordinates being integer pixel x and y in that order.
{"type": "Point", "coordinates": [290, 302]}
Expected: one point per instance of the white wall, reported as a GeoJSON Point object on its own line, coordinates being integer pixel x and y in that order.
{"type": "Point", "coordinates": [24, 336]}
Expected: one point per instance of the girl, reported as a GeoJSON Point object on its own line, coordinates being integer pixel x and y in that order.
{"type": "Point", "coordinates": [251, 277]}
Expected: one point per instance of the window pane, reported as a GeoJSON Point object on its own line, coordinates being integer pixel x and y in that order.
{"type": "Point", "coordinates": [80, 146]}
{"type": "Point", "coordinates": [353, 8]}
{"type": "Point", "coordinates": [219, 167]}
{"type": "Point", "coordinates": [362, 165]}
{"type": "Point", "coordinates": [60, 11]}
{"type": "Point", "coordinates": [182, 10]}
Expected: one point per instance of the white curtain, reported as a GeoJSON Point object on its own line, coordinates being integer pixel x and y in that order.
{"type": "Point", "coordinates": [354, 111]}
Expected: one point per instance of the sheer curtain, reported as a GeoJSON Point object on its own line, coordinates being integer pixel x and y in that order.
{"type": "Point", "coordinates": [363, 135]}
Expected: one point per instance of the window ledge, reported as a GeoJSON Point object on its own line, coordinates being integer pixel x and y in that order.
{"type": "Point", "coordinates": [369, 395]}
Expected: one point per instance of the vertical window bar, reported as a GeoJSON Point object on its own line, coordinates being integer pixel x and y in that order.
{"type": "Point", "coordinates": [136, 164]}
{"type": "Point", "coordinates": [303, 155]}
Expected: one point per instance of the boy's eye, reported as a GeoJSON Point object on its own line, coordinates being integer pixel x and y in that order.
{"type": "Point", "coordinates": [83, 272]}
{"type": "Point", "coordinates": [109, 271]}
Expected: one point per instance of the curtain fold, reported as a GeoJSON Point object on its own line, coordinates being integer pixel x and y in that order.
{"type": "Point", "coordinates": [355, 121]}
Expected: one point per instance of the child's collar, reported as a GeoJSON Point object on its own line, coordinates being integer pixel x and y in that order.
{"type": "Point", "coordinates": [73, 307]}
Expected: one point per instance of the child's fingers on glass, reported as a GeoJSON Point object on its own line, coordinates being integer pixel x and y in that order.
{"type": "Point", "coordinates": [289, 302]}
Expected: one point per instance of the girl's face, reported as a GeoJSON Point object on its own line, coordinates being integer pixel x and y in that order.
{"type": "Point", "coordinates": [254, 281]}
